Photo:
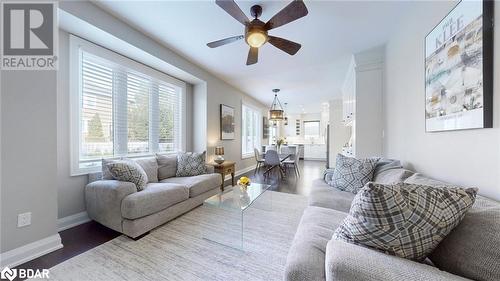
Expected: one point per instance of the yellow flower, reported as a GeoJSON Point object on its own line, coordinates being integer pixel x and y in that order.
{"type": "Point", "coordinates": [244, 181]}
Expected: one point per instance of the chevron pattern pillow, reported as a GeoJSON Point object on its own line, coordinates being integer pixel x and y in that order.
{"type": "Point", "coordinates": [352, 174]}
{"type": "Point", "coordinates": [190, 164]}
{"type": "Point", "coordinates": [130, 171]}
{"type": "Point", "coordinates": [404, 220]}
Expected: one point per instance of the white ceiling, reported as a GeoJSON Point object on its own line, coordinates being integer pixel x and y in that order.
{"type": "Point", "coordinates": [329, 34]}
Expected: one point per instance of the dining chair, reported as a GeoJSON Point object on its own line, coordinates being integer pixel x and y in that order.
{"type": "Point", "coordinates": [272, 160]}
{"type": "Point", "coordinates": [270, 147]}
{"type": "Point", "coordinates": [258, 159]}
{"type": "Point", "coordinates": [293, 160]}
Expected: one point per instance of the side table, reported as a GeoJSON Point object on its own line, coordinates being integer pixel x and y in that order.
{"type": "Point", "coordinates": [227, 167]}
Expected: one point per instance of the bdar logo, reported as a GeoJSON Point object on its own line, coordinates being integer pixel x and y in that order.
{"type": "Point", "coordinates": [8, 273]}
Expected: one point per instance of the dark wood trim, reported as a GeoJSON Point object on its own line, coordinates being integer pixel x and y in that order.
{"type": "Point", "coordinates": [488, 51]}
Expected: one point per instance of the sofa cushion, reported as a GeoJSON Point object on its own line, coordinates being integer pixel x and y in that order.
{"type": "Point", "coordinates": [348, 262]}
{"type": "Point", "coordinates": [150, 166]}
{"type": "Point", "coordinates": [167, 166]}
{"type": "Point", "coordinates": [384, 164]}
{"type": "Point", "coordinates": [306, 257]}
{"type": "Point", "coordinates": [126, 170]}
{"type": "Point", "coordinates": [389, 176]}
{"type": "Point", "coordinates": [190, 164]}
{"type": "Point", "coordinates": [472, 248]}
{"type": "Point", "coordinates": [404, 220]}
{"type": "Point", "coordinates": [324, 195]}
{"type": "Point", "coordinates": [197, 184]}
{"type": "Point", "coordinates": [420, 179]}
{"type": "Point", "coordinates": [352, 174]}
{"type": "Point", "coordinates": [154, 198]}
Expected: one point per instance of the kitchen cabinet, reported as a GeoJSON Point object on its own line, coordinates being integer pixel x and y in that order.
{"type": "Point", "coordinates": [315, 151]}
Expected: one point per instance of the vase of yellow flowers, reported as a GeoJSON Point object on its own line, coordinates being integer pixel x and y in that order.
{"type": "Point", "coordinates": [243, 183]}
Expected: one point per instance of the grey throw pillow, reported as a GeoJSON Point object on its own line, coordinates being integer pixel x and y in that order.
{"type": "Point", "coordinates": [190, 164]}
{"type": "Point", "coordinates": [472, 249]}
{"type": "Point", "coordinates": [129, 171]}
{"type": "Point", "coordinates": [150, 166]}
{"type": "Point", "coordinates": [404, 220]}
{"type": "Point", "coordinates": [352, 174]}
{"type": "Point", "coordinates": [167, 166]}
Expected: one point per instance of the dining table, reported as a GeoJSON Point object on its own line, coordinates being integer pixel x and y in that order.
{"type": "Point", "coordinates": [282, 157]}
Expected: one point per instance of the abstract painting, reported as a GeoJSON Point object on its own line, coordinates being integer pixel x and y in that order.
{"type": "Point", "coordinates": [226, 122]}
{"type": "Point", "coordinates": [459, 69]}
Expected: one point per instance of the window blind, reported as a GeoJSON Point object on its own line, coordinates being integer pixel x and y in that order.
{"type": "Point", "coordinates": [124, 112]}
{"type": "Point", "coordinates": [96, 109]}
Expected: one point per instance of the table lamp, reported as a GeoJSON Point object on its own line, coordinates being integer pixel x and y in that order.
{"type": "Point", "coordinates": [219, 151]}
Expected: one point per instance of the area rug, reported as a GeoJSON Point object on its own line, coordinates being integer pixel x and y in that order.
{"type": "Point", "coordinates": [178, 251]}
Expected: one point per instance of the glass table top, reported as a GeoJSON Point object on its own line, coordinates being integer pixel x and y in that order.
{"type": "Point", "coordinates": [237, 198]}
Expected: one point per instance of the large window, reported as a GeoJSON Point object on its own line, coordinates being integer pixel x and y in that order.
{"type": "Point", "coordinates": [250, 130]}
{"type": "Point", "coordinates": [120, 108]}
{"type": "Point", "coordinates": [311, 129]}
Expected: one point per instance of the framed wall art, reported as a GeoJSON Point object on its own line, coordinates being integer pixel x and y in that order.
{"type": "Point", "coordinates": [226, 122]}
{"type": "Point", "coordinates": [459, 69]}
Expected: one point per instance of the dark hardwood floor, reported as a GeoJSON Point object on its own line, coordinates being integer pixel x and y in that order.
{"type": "Point", "coordinates": [86, 236]}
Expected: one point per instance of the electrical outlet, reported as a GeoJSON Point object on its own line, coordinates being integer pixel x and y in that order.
{"type": "Point", "coordinates": [24, 219]}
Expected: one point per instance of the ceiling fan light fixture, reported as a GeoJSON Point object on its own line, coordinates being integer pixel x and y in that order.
{"type": "Point", "coordinates": [256, 38]}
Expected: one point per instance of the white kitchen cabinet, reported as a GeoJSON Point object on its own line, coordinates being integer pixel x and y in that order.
{"type": "Point", "coordinates": [314, 151]}
{"type": "Point", "coordinates": [362, 103]}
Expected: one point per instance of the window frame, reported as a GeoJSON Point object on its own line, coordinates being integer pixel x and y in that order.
{"type": "Point", "coordinates": [258, 123]}
{"type": "Point", "coordinates": [76, 46]}
{"type": "Point", "coordinates": [319, 128]}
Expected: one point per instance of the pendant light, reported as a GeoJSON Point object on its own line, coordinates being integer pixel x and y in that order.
{"type": "Point", "coordinates": [276, 112]}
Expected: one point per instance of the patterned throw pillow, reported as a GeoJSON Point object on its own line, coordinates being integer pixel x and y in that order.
{"type": "Point", "coordinates": [106, 174]}
{"type": "Point", "coordinates": [190, 164]}
{"type": "Point", "coordinates": [404, 220]}
{"type": "Point", "coordinates": [352, 174]}
{"type": "Point", "coordinates": [129, 171]}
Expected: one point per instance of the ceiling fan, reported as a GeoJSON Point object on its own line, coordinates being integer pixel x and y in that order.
{"type": "Point", "coordinates": [256, 31]}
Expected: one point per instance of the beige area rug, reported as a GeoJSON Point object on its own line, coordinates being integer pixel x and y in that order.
{"type": "Point", "coordinates": [178, 251]}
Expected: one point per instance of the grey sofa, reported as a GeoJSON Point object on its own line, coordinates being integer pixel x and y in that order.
{"type": "Point", "coordinates": [119, 206]}
{"type": "Point", "coordinates": [471, 250]}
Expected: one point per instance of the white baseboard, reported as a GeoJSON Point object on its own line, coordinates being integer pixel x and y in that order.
{"type": "Point", "coordinates": [30, 251]}
{"type": "Point", "coordinates": [72, 221]}
{"type": "Point", "coordinates": [240, 172]}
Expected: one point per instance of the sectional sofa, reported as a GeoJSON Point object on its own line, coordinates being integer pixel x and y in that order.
{"type": "Point", "coordinates": [119, 206]}
{"type": "Point", "coordinates": [470, 251]}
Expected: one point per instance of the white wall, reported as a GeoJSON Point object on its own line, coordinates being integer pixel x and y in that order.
{"type": "Point", "coordinates": [203, 105]}
{"type": "Point", "coordinates": [339, 133]}
{"type": "Point", "coordinates": [28, 150]}
{"type": "Point", "coordinates": [470, 158]}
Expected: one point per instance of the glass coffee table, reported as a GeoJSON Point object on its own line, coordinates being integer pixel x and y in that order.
{"type": "Point", "coordinates": [227, 224]}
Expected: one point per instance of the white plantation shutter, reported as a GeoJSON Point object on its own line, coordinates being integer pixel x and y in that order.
{"type": "Point", "coordinates": [169, 136]}
{"type": "Point", "coordinates": [96, 121]}
{"type": "Point", "coordinates": [138, 107]}
{"type": "Point", "coordinates": [125, 110]}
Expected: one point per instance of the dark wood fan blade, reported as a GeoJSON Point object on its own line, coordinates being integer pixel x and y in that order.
{"type": "Point", "coordinates": [233, 9]}
{"type": "Point", "coordinates": [253, 56]}
{"type": "Point", "coordinates": [286, 46]}
{"type": "Point", "coordinates": [293, 11]}
{"type": "Point", "coordinates": [221, 42]}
